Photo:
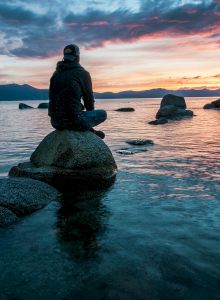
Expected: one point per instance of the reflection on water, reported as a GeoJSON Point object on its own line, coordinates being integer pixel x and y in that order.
{"type": "Point", "coordinates": [153, 235]}
{"type": "Point", "coordinates": [80, 222]}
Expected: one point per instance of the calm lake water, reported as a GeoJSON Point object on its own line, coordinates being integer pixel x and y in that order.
{"type": "Point", "coordinates": [155, 234]}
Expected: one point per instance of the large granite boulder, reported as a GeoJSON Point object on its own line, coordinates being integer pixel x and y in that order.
{"type": "Point", "coordinates": [70, 159]}
{"type": "Point", "coordinates": [21, 196]}
{"type": "Point", "coordinates": [213, 105]}
{"type": "Point", "coordinates": [174, 100]}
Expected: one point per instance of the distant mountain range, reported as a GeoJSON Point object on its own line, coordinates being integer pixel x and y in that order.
{"type": "Point", "coordinates": [26, 92]}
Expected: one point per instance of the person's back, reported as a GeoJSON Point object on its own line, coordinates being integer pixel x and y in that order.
{"type": "Point", "coordinates": [69, 83]}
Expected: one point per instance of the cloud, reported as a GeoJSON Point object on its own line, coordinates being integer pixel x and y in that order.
{"type": "Point", "coordinates": [42, 31]}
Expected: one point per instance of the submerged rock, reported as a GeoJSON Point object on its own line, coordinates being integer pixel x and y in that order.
{"type": "Point", "coordinates": [24, 106]}
{"type": "Point", "coordinates": [159, 121]}
{"type": "Point", "coordinates": [43, 105]}
{"type": "Point", "coordinates": [125, 109]}
{"type": "Point", "coordinates": [68, 159]}
{"type": "Point", "coordinates": [140, 142]}
{"type": "Point", "coordinates": [21, 196]}
{"type": "Point", "coordinates": [125, 152]}
{"type": "Point", "coordinates": [213, 105]}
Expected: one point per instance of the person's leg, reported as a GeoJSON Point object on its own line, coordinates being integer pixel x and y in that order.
{"type": "Point", "coordinates": [92, 118]}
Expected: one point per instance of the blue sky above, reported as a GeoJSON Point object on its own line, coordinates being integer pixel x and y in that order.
{"type": "Point", "coordinates": [38, 30]}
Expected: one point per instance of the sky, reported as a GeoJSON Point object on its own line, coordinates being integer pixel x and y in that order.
{"type": "Point", "coordinates": [125, 45]}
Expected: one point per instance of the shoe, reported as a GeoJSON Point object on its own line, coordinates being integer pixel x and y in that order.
{"type": "Point", "coordinates": [98, 133]}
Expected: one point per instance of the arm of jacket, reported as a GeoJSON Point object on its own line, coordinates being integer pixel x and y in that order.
{"type": "Point", "coordinates": [88, 97]}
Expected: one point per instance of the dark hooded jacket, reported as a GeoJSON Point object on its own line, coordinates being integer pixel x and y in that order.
{"type": "Point", "coordinates": [68, 85]}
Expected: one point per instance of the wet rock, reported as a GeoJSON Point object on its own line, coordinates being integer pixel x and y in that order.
{"type": "Point", "coordinates": [209, 106]}
{"type": "Point", "coordinates": [23, 196]}
{"type": "Point", "coordinates": [213, 105]}
{"type": "Point", "coordinates": [43, 105]}
{"type": "Point", "coordinates": [174, 100]}
{"type": "Point", "coordinates": [159, 121]}
{"type": "Point", "coordinates": [172, 107]}
{"type": "Point", "coordinates": [24, 106]}
{"type": "Point", "coordinates": [69, 159]}
{"type": "Point", "coordinates": [184, 112]}
{"type": "Point", "coordinates": [125, 152]}
{"type": "Point", "coordinates": [167, 111]}
{"type": "Point", "coordinates": [140, 142]}
{"type": "Point", "coordinates": [7, 217]}
{"type": "Point", "coordinates": [125, 109]}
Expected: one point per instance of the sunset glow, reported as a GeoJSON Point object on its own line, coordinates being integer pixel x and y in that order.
{"type": "Point", "coordinates": [136, 46]}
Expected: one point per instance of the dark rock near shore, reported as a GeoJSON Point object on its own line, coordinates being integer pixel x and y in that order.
{"type": "Point", "coordinates": [159, 121]}
{"type": "Point", "coordinates": [43, 105]}
{"type": "Point", "coordinates": [21, 196]}
{"type": "Point", "coordinates": [70, 159]}
{"type": "Point", "coordinates": [125, 109]}
{"type": "Point", "coordinates": [24, 106]}
{"type": "Point", "coordinates": [213, 105]}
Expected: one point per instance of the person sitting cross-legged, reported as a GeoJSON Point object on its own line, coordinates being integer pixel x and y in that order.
{"type": "Point", "coordinates": [68, 85]}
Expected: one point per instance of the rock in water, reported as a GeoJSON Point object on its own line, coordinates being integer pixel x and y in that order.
{"type": "Point", "coordinates": [140, 142]}
{"type": "Point", "coordinates": [167, 111]}
{"type": "Point", "coordinates": [43, 105]}
{"type": "Point", "coordinates": [125, 109]}
{"type": "Point", "coordinates": [174, 100]}
{"type": "Point", "coordinates": [21, 196]}
{"type": "Point", "coordinates": [70, 158]}
{"type": "Point", "coordinates": [172, 107]}
{"type": "Point", "coordinates": [213, 105]}
{"type": "Point", "coordinates": [209, 106]}
{"type": "Point", "coordinates": [125, 152]}
{"type": "Point", "coordinates": [159, 121]}
{"type": "Point", "coordinates": [24, 106]}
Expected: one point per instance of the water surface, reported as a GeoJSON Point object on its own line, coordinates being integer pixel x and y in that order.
{"type": "Point", "coordinates": [153, 235]}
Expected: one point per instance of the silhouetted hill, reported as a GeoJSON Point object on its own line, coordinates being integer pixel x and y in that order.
{"type": "Point", "coordinates": [27, 92]}
{"type": "Point", "coordinates": [22, 92]}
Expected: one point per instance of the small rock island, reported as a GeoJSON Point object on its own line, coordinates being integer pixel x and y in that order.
{"type": "Point", "coordinates": [171, 107]}
{"type": "Point", "coordinates": [69, 159]}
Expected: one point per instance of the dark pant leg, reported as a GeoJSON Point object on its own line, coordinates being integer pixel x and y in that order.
{"type": "Point", "coordinates": [89, 119]}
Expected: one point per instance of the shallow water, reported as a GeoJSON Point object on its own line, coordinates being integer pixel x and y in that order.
{"type": "Point", "coordinates": [153, 235]}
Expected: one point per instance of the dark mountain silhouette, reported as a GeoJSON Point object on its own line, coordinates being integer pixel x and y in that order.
{"type": "Point", "coordinates": [26, 92]}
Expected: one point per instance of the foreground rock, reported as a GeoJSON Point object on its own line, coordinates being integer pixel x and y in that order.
{"type": "Point", "coordinates": [24, 106]}
{"type": "Point", "coordinates": [213, 105]}
{"type": "Point", "coordinates": [70, 159]}
{"type": "Point", "coordinates": [172, 107]}
{"type": "Point", "coordinates": [125, 109]}
{"type": "Point", "coordinates": [21, 196]}
{"type": "Point", "coordinates": [7, 217]}
{"type": "Point", "coordinates": [43, 105]}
